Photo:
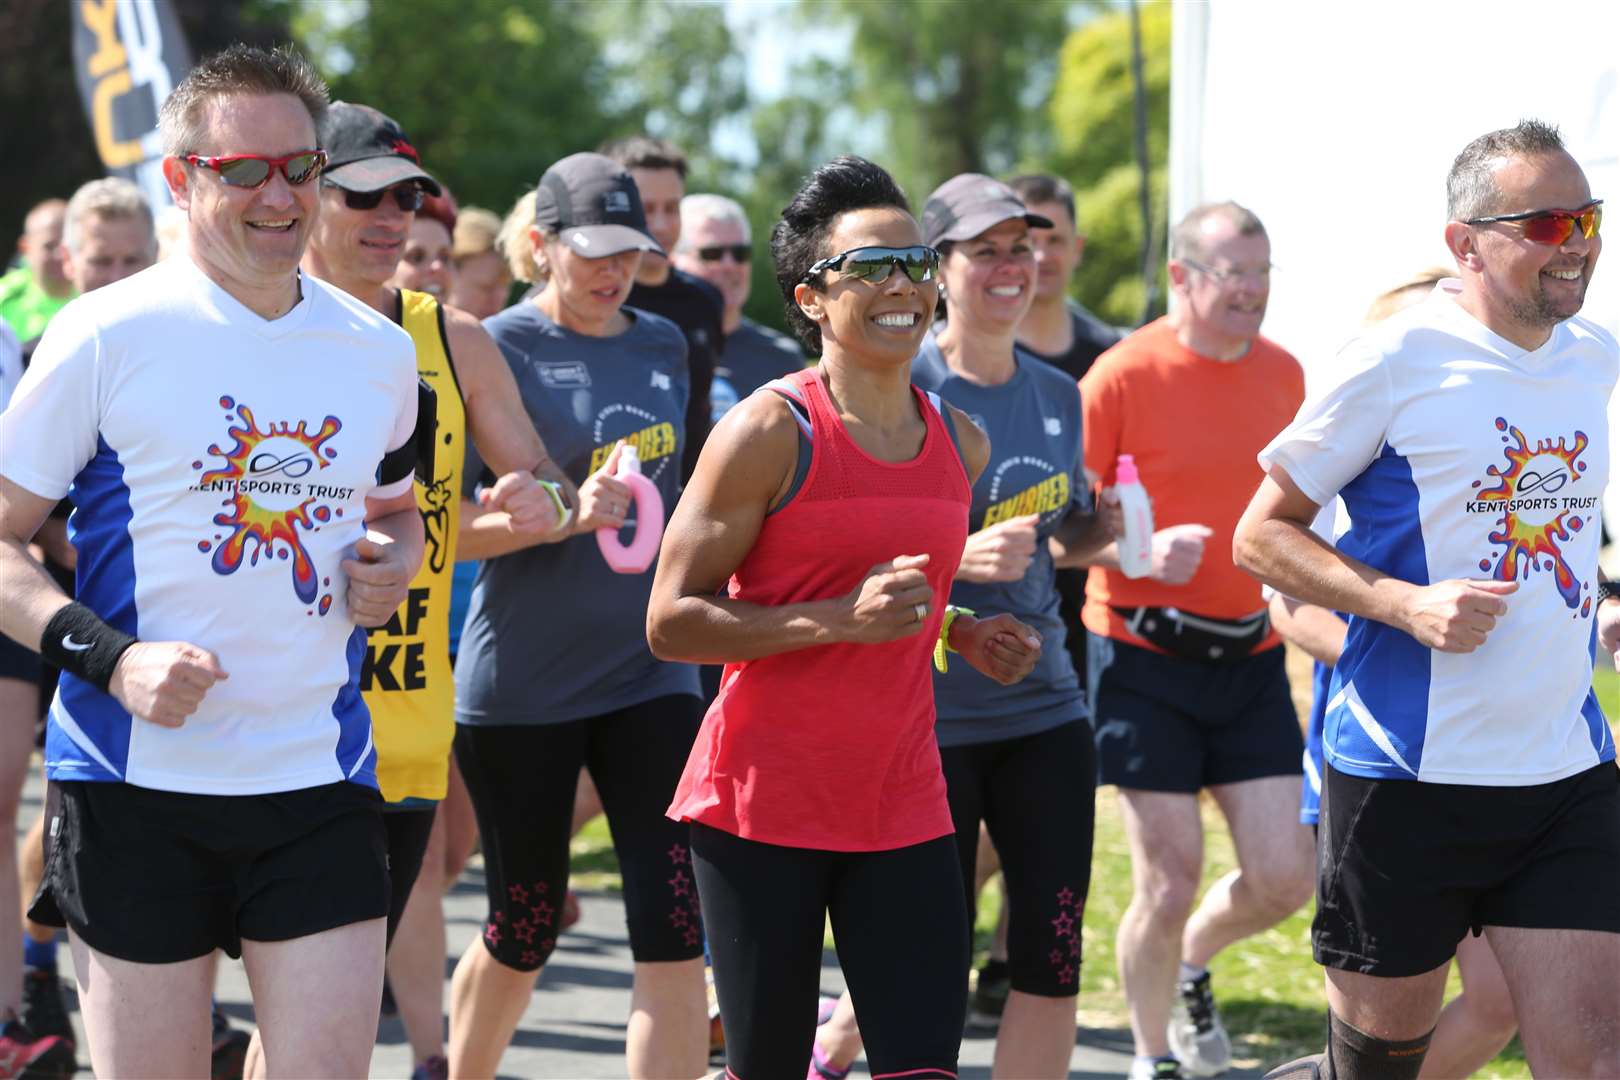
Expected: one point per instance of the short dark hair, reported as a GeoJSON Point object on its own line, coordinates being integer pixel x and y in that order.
{"type": "Point", "coordinates": [240, 69]}
{"type": "Point", "coordinates": [1044, 188]}
{"type": "Point", "coordinates": [645, 152]}
{"type": "Point", "coordinates": [1186, 239]}
{"type": "Point", "coordinates": [1470, 189]}
{"type": "Point", "coordinates": [799, 239]}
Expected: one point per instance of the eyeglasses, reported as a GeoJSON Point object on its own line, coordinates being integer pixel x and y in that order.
{"type": "Point", "coordinates": [253, 170]}
{"type": "Point", "coordinates": [1551, 227]}
{"type": "Point", "coordinates": [1222, 275]}
{"type": "Point", "coordinates": [408, 197]}
{"type": "Point", "coordinates": [873, 265]}
{"type": "Point", "coordinates": [739, 252]}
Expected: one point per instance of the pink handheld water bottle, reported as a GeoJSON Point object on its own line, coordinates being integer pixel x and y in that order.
{"type": "Point", "coordinates": [1136, 546]}
{"type": "Point", "coordinates": [640, 553]}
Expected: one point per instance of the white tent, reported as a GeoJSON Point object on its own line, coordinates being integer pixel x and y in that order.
{"type": "Point", "coordinates": [1336, 123]}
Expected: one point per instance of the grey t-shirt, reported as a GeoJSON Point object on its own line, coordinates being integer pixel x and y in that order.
{"type": "Point", "coordinates": [753, 356]}
{"type": "Point", "coordinates": [553, 634]}
{"type": "Point", "coordinates": [1033, 421]}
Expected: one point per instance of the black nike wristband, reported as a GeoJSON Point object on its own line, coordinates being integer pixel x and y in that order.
{"type": "Point", "coordinates": [80, 642]}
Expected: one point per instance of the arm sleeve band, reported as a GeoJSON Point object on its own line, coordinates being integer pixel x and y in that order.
{"type": "Point", "coordinates": [417, 451]}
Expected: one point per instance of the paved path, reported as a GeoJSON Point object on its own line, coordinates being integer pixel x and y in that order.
{"type": "Point", "coordinates": [574, 1026]}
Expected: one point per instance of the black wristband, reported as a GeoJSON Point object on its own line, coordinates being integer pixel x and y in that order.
{"type": "Point", "coordinates": [78, 641]}
{"type": "Point", "coordinates": [1607, 590]}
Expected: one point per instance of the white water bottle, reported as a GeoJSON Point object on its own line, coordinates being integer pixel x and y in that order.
{"type": "Point", "coordinates": [1136, 545]}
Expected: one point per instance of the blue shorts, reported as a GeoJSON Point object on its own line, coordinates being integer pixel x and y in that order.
{"type": "Point", "coordinates": [1168, 724]}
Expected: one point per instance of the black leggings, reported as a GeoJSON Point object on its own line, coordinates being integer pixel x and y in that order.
{"type": "Point", "coordinates": [1036, 795]}
{"type": "Point", "coordinates": [901, 931]}
{"type": "Point", "coordinates": [522, 780]}
{"type": "Point", "coordinates": [408, 832]}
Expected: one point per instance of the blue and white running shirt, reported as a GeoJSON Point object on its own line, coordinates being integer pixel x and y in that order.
{"type": "Point", "coordinates": [1460, 455]}
{"type": "Point", "coordinates": [219, 464]}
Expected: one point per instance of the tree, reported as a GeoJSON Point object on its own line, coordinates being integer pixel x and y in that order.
{"type": "Point", "coordinates": [1093, 123]}
{"type": "Point", "coordinates": [957, 86]}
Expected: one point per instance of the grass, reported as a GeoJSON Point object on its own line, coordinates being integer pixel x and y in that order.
{"type": "Point", "coordinates": [1270, 990]}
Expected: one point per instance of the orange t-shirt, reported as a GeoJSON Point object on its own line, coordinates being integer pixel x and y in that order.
{"type": "Point", "coordinates": [1195, 426]}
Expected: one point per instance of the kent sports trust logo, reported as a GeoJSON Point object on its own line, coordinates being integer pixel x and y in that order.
{"type": "Point", "coordinates": [1537, 513]}
{"type": "Point", "coordinates": [269, 496]}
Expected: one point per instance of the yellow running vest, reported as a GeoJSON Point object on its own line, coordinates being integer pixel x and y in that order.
{"type": "Point", "coordinates": [406, 679]}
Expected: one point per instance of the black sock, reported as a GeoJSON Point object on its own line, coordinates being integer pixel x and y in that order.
{"type": "Point", "coordinates": [1353, 1054]}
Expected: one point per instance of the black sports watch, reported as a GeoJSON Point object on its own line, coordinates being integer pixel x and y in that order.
{"type": "Point", "coordinates": [1607, 590]}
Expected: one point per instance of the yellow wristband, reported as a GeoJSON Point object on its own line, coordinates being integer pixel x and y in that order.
{"type": "Point", "coordinates": [943, 645]}
{"type": "Point", "coordinates": [565, 513]}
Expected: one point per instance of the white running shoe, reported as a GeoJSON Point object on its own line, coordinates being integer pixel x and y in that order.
{"type": "Point", "coordinates": [1196, 1036]}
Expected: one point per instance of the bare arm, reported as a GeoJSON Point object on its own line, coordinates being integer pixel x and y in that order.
{"type": "Point", "coordinates": [745, 467]}
{"type": "Point", "coordinates": [31, 594]}
{"type": "Point", "coordinates": [516, 512]}
{"type": "Point", "coordinates": [1313, 628]}
{"type": "Point", "coordinates": [1274, 542]}
{"type": "Point", "coordinates": [387, 558]}
{"type": "Point", "coordinates": [162, 681]}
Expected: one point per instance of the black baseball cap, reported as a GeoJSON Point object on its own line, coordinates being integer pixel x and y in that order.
{"type": "Point", "coordinates": [592, 204]}
{"type": "Point", "coordinates": [367, 151]}
{"type": "Point", "coordinates": [970, 203]}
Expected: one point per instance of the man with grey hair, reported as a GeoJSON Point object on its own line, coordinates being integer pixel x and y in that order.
{"type": "Point", "coordinates": [1188, 687]}
{"type": "Point", "coordinates": [239, 439]}
{"type": "Point", "coordinates": [1469, 781]}
{"type": "Point", "coordinates": [715, 245]}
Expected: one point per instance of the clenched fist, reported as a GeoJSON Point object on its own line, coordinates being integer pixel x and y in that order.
{"type": "Point", "coordinates": [164, 681]}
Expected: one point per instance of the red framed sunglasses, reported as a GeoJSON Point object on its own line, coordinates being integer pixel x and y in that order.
{"type": "Point", "coordinates": [253, 170]}
{"type": "Point", "coordinates": [1551, 227]}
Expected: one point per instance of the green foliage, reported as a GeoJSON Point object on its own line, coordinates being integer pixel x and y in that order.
{"type": "Point", "coordinates": [494, 91]}
{"type": "Point", "coordinates": [1093, 124]}
{"type": "Point", "coordinates": [490, 91]}
{"type": "Point", "coordinates": [956, 85]}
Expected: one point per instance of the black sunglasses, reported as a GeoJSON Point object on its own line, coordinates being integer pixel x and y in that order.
{"type": "Point", "coordinates": [740, 252]}
{"type": "Point", "coordinates": [873, 265]}
{"type": "Point", "coordinates": [408, 197]}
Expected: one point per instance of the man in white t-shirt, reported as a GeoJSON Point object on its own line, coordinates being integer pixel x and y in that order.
{"type": "Point", "coordinates": [1470, 780]}
{"type": "Point", "coordinates": [239, 441]}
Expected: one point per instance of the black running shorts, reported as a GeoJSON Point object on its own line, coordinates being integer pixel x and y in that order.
{"type": "Point", "coordinates": [156, 877]}
{"type": "Point", "coordinates": [1168, 724]}
{"type": "Point", "coordinates": [1406, 868]}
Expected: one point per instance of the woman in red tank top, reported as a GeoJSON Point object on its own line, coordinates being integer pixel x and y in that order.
{"type": "Point", "coordinates": [832, 508]}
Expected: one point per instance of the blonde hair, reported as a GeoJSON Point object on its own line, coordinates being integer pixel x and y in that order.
{"type": "Point", "coordinates": [477, 231]}
{"type": "Point", "coordinates": [1404, 295]}
{"type": "Point", "coordinates": [514, 243]}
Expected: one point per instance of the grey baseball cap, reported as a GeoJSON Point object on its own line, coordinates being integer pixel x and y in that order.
{"type": "Point", "coordinates": [592, 204]}
{"type": "Point", "coordinates": [970, 203]}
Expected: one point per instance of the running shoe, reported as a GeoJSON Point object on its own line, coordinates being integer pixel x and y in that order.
{"type": "Point", "coordinates": [1196, 1036]}
{"type": "Point", "coordinates": [820, 1067]}
{"type": "Point", "coordinates": [25, 1056]}
{"type": "Point", "coordinates": [436, 1067]}
{"type": "Point", "coordinates": [1155, 1069]}
{"type": "Point", "coordinates": [229, 1054]}
{"type": "Point", "coordinates": [44, 1006]}
{"type": "Point", "coordinates": [990, 991]}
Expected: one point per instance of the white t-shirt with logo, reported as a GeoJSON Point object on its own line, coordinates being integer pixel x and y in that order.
{"type": "Point", "coordinates": [1460, 455]}
{"type": "Point", "coordinates": [219, 464]}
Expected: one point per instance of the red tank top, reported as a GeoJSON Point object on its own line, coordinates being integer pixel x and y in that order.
{"type": "Point", "coordinates": [832, 746]}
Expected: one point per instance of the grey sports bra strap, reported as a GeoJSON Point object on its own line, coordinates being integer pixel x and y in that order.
{"type": "Point", "coordinates": [801, 413]}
